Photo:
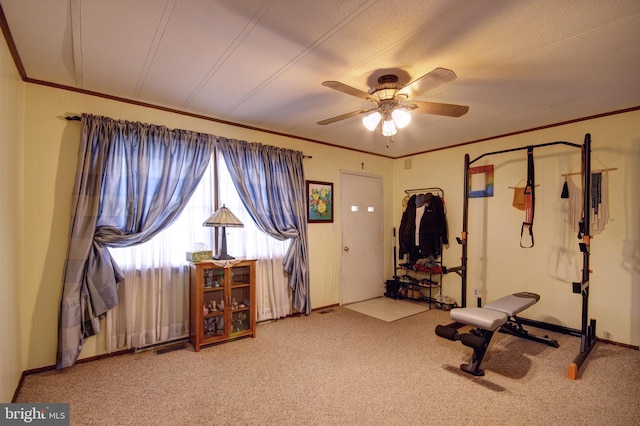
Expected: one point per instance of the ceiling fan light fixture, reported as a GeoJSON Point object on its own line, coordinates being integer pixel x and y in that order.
{"type": "Point", "coordinates": [371, 121]}
{"type": "Point", "coordinates": [401, 118]}
{"type": "Point", "coordinates": [388, 127]}
{"type": "Point", "coordinates": [392, 104]}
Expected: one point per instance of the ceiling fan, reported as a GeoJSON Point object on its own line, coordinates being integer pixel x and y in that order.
{"type": "Point", "coordinates": [392, 101]}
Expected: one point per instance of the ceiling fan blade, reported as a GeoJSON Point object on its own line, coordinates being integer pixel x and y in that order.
{"type": "Point", "coordinates": [448, 110]}
{"type": "Point", "coordinates": [344, 116]}
{"type": "Point", "coordinates": [429, 81]}
{"type": "Point", "coordinates": [341, 87]}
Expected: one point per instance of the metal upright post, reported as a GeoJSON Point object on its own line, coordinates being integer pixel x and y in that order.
{"type": "Point", "coordinates": [587, 332]}
{"type": "Point", "coordinates": [463, 237]}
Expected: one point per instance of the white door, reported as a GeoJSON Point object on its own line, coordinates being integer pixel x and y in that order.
{"type": "Point", "coordinates": [361, 266]}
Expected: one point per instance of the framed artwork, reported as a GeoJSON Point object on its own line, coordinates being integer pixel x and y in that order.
{"type": "Point", "coordinates": [319, 202]}
{"type": "Point", "coordinates": [481, 181]}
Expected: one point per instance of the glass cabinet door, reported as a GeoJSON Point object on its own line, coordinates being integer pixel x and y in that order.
{"type": "Point", "coordinates": [240, 298]}
{"type": "Point", "coordinates": [213, 303]}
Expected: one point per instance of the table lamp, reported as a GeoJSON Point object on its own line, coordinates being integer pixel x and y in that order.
{"type": "Point", "coordinates": [223, 218]}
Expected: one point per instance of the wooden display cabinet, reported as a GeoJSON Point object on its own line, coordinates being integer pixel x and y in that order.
{"type": "Point", "coordinates": [222, 302]}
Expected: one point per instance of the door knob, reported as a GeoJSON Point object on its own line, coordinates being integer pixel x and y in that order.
{"type": "Point", "coordinates": [346, 249]}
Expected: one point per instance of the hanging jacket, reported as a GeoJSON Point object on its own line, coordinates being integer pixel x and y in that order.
{"type": "Point", "coordinates": [406, 233]}
{"type": "Point", "coordinates": [433, 226]}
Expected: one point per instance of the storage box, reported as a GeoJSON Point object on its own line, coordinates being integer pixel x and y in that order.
{"type": "Point", "coordinates": [197, 256]}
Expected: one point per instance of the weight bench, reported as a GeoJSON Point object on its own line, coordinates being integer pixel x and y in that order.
{"type": "Point", "coordinates": [500, 314]}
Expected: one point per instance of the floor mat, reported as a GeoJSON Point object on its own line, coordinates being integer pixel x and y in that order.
{"type": "Point", "coordinates": [387, 309]}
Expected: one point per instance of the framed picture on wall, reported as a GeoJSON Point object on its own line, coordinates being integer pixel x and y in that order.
{"type": "Point", "coordinates": [319, 202]}
{"type": "Point", "coordinates": [481, 181]}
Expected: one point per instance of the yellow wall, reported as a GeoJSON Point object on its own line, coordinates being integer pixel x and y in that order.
{"type": "Point", "coordinates": [52, 146]}
{"type": "Point", "coordinates": [11, 200]}
{"type": "Point", "coordinates": [498, 266]}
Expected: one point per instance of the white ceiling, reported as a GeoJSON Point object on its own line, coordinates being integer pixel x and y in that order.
{"type": "Point", "coordinates": [260, 63]}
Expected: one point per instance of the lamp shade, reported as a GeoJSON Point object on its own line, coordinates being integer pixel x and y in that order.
{"type": "Point", "coordinates": [388, 128]}
{"type": "Point", "coordinates": [371, 121]}
{"type": "Point", "coordinates": [223, 218]}
{"type": "Point", "coordinates": [401, 118]}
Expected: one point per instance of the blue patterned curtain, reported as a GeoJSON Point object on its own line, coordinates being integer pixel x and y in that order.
{"type": "Point", "coordinates": [270, 182]}
{"type": "Point", "coordinates": [132, 181]}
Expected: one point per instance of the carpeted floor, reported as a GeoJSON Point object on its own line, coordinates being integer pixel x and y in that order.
{"type": "Point", "coordinates": [345, 368]}
{"type": "Point", "coordinates": [387, 309]}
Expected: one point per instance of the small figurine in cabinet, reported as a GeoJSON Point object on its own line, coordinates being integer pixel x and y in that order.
{"type": "Point", "coordinates": [210, 325]}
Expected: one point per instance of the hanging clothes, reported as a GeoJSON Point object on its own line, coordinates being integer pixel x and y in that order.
{"type": "Point", "coordinates": [599, 203]}
{"type": "Point", "coordinates": [518, 198]}
{"type": "Point", "coordinates": [420, 237]}
{"type": "Point", "coordinates": [421, 204]}
{"type": "Point", "coordinates": [406, 232]}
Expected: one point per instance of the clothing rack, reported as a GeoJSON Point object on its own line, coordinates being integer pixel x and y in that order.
{"type": "Point", "coordinates": [416, 191]}
{"type": "Point", "coordinates": [439, 192]}
{"type": "Point", "coordinates": [410, 192]}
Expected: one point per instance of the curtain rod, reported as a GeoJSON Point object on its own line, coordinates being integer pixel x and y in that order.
{"type": "Point", "coordinates": [78, 118]}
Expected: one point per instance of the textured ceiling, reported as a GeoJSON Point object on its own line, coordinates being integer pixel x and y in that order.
{"type": "Point", "coordinates": [260, 63]}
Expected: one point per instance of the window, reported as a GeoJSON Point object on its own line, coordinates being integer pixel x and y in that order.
{"type": "Point", "coordinates": [154, 300]}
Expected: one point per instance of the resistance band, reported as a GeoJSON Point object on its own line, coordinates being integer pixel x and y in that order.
{"type": "Point", "coordinates": [530, 201]}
